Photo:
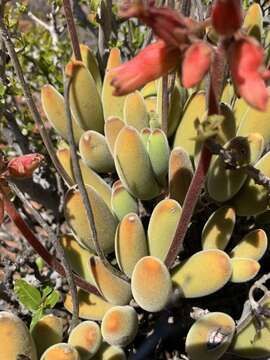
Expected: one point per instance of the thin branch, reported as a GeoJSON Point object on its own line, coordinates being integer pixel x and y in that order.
{"type": "Point", "coordinates": [72, 29]}
{"type": "Point", "coordinates": [39, 248]}
{"type": "Point", "coordinates": [49, 27]}
{"type": "Point", "coordinates": [59, 250]}
{"type": "Point", "coordinates": [5, 35]}
{"type": "Point", "coordinates": [104, 29]}
{"type": "Point", "coordinates": [189, 205]}
{"type": "Point", "coordinates": [165, 104]}
{"type": "Point", "coordinates": [81, 185]}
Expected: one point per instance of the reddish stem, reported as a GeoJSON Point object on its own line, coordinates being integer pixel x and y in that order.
{"type": "Point", "coordinates": [40, 249]}
{"type": "Point", "coordinates": [189, 205]}
{"type": "Point", "coordinates": [72, 29]}
{"type": "Point", "coordinates": [214, 91]}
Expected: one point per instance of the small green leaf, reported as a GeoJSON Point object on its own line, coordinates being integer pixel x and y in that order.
{"type": "Point", "coordinates": [46, 291]}
{"type": "Point", "coordinates": [40, 263]}
{"type": "Point", "coordinates": [36, 317]}
{"type": "Point", "coordinates": [27, 294]}
{"type": "Point", "coordinates": [2, 89]}
{"type": "Point", "coordinates": [51, 300]}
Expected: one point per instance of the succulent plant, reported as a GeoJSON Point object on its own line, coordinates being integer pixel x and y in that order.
{"type": "Point", "coordinates": [203, 273]}
{"type": "Point", "coordinates": [114, 289]}
{"type": "Point", "coordinates": [162, 226]}
{"type": "Point", "coordinates": [173, 151]}
{"type": "Point", "coordinates": [95, 152]}
{"type": "Point", "coordinates": [248, 344]}
{"type": "Point", "coordinates": [145, 171]}
{"type": "Point", "coordinates": [77, 220]}
{"type": "Point", "coordinates": [218, 229]}
{"type": "Point", "coordinates": [86, 339]}
{"type": "Point", "coordinates": [110, 352]}
{"type": "Point", "coordinates": [15, 338]}
{"type": "Point", "coordinates": [91, 306]}
{"type": "Point", "coordinates": [210, 336]}
{"type": "Point", "coordinates": [130, 235]}
{"type": "Point", "coordinates": [151, 283]}
{"type": "Point", "coordinates": [119, 325]}
{"type": "Point", "coordinates": [47, 332]}
{"type": "Point", "coordinates": [61, 351]}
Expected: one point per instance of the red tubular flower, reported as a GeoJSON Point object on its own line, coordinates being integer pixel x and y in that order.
{"type": "Point", "coordinates": [24, 166]}
{"type": "Point", "coordinates": [246, 62]}
{"type": "Point", "coordinates": [196, 63]}
{"type": "Point", "coordinates": [164, 21]}
{"type": "Point", "coordinates": [227, 16]}
{"type": "Point", "coordinates": [152, 62]}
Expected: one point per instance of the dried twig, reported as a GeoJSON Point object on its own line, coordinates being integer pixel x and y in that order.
{"type": "Point", "coordinates": [51, 28]}
{"type": "Point", "coordinates": [254, 309]}
{"type": "Point", "coordinates": [59, 250]}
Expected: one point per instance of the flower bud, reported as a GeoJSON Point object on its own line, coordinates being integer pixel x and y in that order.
{"type": "Point", "coordinates": [227, 16]}
{"type": "Point", "coordinates": [24, 166]}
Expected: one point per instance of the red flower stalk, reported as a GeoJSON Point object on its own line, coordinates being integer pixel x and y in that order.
{"type": "Point", "coordinates": [23, 166]}
{"type": "Point", "coordinates": [246, 63]}
{"type": "Point", "coordinates": [151, 63]}
{"type": "Point", "coordinates": [2, 209]}
{"type": "Point", "coordinates": [227, 16]}
{"type": "Point", "coordinates": [196, 63]}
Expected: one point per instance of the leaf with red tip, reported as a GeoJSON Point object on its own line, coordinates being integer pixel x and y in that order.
{"type": "Point", "coordinates": [196, 63]}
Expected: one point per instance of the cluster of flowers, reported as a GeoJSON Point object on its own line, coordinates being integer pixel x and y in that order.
{"type": "Point", "coordinates": [180, 47]}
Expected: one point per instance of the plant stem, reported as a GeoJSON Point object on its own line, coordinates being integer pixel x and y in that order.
{"type": "Point", "coordinates": [39, 248]}
{"type": "Point", "coordinates": [5, 35]}
{"type": "Point", "coordinates": [81, 185]}
{"type": "Point", "coordinates": [59, 250]}
{"type": "Point", "coordinates": [165, 104]}
{"type": "Point", "coordinates": [189, 205]}
{"type": "Point", "coordinates": [72, 30]}
{"type": "Point", "coordinates": [193, 194]}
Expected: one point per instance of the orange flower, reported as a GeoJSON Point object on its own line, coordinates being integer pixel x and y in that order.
{"type": "Point", "coordinates": [24, 166]}
{"type": "Point", "coordinates": [196, 63]}
{"type": "Point", "coordinates": [152, 62]}
{"type": "Point", "coordinates": [246, 63]}
{"type": "Point", "coordinates": [227, 16]}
